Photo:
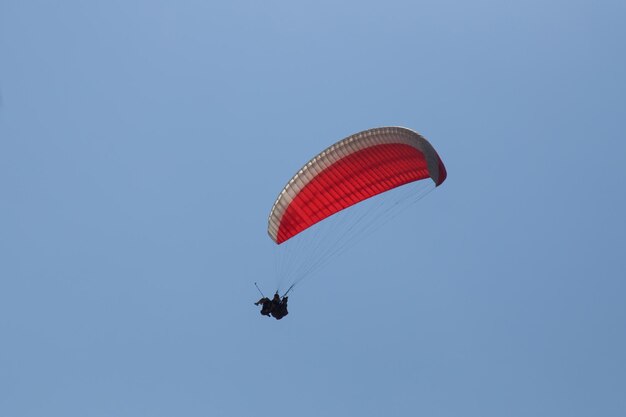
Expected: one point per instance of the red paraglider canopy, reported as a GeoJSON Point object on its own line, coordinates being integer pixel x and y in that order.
{"type": "Point", "coordinates": [350, 171]}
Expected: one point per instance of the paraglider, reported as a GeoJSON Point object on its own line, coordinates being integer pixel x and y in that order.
{"type": "Point", "coordinates": [280, 310]}
{"type": "Point", "coordinates": [346, 174]}
{"type": "Point", "coordinates": [266, 304]}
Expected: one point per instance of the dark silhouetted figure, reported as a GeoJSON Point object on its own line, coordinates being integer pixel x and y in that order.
{"type": "Point", "coordinates": [275, 302]}
{"type": "Point", "coordinates": [281, 310]}
{"type": "Point", "coordinates": [266, 308]}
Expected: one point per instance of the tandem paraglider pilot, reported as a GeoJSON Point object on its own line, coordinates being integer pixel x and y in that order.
{"type": "Point", "coordinates": [276, 307]}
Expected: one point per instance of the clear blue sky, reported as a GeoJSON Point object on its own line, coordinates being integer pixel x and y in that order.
{"type": "Point", "coordinates": [142, 144]}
